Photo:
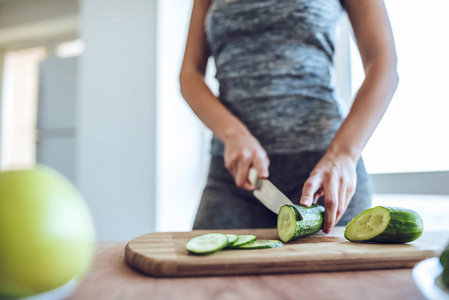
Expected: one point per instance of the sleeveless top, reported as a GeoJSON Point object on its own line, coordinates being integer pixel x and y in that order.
{"type": "Point", "coordinates": [274, 66]}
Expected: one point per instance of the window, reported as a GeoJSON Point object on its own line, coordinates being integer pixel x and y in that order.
{"type": "Point", "coordinates": [412, 136]}
{"type": "Point", "coordinates": [408, 153]}
{"type": "Point", "coordinates": [70, 49]}
{"type": "Point", "coordinates": [19, 102]}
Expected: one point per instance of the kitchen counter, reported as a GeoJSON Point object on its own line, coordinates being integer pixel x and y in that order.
{"type": "Point", "coordinates": [111, 278]}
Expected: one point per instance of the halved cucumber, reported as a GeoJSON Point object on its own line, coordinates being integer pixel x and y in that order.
{"type": "Point", "coordinates": [232, 238]}
{"type": "Point", "coordinates": [385, 225]}
{"type": "Point", "coordinates": [244, 239]}
{"type": "Point", "coordinates": [298, 221]}
{"type": "Point", "coordinates": [261, 244]}
{"type": "Point", "coordinates": [207, 243]}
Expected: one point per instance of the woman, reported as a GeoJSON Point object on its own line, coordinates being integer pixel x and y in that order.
{"type": "Point", "coordinates": [277, 110]}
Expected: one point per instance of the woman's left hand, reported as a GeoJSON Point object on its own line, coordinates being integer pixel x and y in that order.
{"type": "Point", "coordinates": [334, 177]}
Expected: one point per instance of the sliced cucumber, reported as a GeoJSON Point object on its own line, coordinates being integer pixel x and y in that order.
{"type": "Point", "coordinates": [244, 239]}
{"type": "Point", "coordinates": [232, 238]}
{"type": "Point", "coordinates": [261, 244]}
{"type": "Point", "coordinates": [385, 225]}
{"type": "Point", "coordinates": [207, 243]}
{"type": "Point", "coordinates": [298, 221]}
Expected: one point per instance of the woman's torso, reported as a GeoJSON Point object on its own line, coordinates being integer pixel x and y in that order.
{"type": "Point", "coordinates": [274, 61]}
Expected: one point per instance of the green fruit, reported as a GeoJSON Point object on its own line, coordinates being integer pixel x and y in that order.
{"type": "Point", "coordinates": [46, 232]}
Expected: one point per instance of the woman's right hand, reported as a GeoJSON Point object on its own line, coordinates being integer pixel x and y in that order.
{"type": "Point", "coordinates": [242, 152]}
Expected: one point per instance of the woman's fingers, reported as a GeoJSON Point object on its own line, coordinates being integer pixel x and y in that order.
{"type": "Point", "coordinates": [310, 188]}
{"type": "Point", "coordinates": [335, 177]}
{"type": "Point", "coordinates": [349, 194]}
{"type": "Point", "coordinates": [261, 164]}
{"type": "Point", "coordinates": [330, 187]}
{"type": "Point", "coordinates": [241, 175]}
{"type": "Point", "coordinates": [241, 153]}
{"type": "Point", "coordinates": [341, 207]}
{"type": "Point", "coordinates": [317, 195]}
{"type": "Point", "coordinates": [242, 164]}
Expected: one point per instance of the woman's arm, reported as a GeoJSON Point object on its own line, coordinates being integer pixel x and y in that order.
{"type": "Point", "coordinates": [335, 176]}
{"type": "Point", "coordinates": [242, 150]}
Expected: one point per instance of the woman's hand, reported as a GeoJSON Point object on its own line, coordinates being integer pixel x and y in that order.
{"type": "Point", "coordinates": [242, 152]}
{"type": "Point", "coordinates": [334, 177]}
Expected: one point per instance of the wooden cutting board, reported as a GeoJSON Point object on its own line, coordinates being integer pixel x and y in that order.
{"type": "Point", "coordinates": [164, 254]}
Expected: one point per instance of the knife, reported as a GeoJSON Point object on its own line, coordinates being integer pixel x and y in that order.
{"type": "Point", "coordinates": [267, 193]}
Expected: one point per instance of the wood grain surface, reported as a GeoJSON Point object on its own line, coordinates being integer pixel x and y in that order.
{"type": "Point", "coordinates": [164, 254]}
{"type": "Point", "coordinates": [110, 278]}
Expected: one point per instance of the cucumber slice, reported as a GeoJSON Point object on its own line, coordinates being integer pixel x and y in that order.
{"type": "Point", "coordinates": [262, 244]}
{"type": "Point", "coordinates": [207, 243]}
{"type": "Point", "coordinates": [286, 223]}
{"type": "Point", "coordinates": [298, 221]}
{"type": "Point", "coordinates": [244, 239]}
{"type": "Point", "coordinates": [385, 225]}
{"type": "Point", "coordinates": [232, 238]}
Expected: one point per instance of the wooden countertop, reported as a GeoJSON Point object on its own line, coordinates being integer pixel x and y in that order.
{"type": "Point", "coordinates": [111, 278]}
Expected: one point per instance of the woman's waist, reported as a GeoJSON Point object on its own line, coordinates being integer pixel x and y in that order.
{"type": "Point", "coordinates": [302, 106]}
{"type": "Point", "coordinates": [250, 87]}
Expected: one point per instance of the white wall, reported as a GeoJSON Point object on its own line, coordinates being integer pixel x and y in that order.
{"type": "Point", "coordinates": [116, 164]}
{"type": "Point", "coordinates": [342, 60]}
{"type": "Point", "coordinates": [183, 141]}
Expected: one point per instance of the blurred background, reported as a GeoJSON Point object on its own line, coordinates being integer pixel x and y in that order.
{"type": "Point", "coordinates": [90, 88]}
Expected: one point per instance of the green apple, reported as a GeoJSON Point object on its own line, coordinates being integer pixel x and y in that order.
{"type": "Point", "coordinates": [46, 232]}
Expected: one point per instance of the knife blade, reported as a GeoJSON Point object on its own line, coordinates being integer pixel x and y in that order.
{"type": "Point", "coordinates": [267, 193]}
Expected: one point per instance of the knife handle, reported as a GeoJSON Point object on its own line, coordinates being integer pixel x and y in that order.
{"type": "Point", "coordinates": [253, 176]}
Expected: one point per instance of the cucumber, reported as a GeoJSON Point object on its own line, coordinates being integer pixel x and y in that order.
{"type": "Point", "coordinates": [445, 277]}
{"type": "Point", "coordinates": [298, 221]}
{"type": "Point", "coordinates": [232, 238]}
{"type": "Point", "coordinates": [384, 224]}
{"type": "Point", "coordinates": [244, 239]}
{"type": "Point", "coordinates": [207, 243]}
{"type": "Point", "coordinates": [444, 258]}
{"type": "Point", "coordinates": [261, 244]}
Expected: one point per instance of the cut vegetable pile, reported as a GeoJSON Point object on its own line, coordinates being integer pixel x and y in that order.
{"type": "Point", "coordinates": [213, 242]}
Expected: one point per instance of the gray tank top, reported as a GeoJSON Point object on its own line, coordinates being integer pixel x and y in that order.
{"type": "Point", "coordinates": [274, 62]}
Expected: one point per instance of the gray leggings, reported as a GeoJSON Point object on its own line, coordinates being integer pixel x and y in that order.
{"type": "Point", "coordinates": [225, 206]}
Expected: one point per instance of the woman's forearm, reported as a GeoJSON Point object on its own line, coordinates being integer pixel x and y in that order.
{"type": "Point", "coordinates": [197, 94]}
{"type": "Point", "coordinates": [369, 105]}
{"type": "Point", "coordinates": [208, 107]}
